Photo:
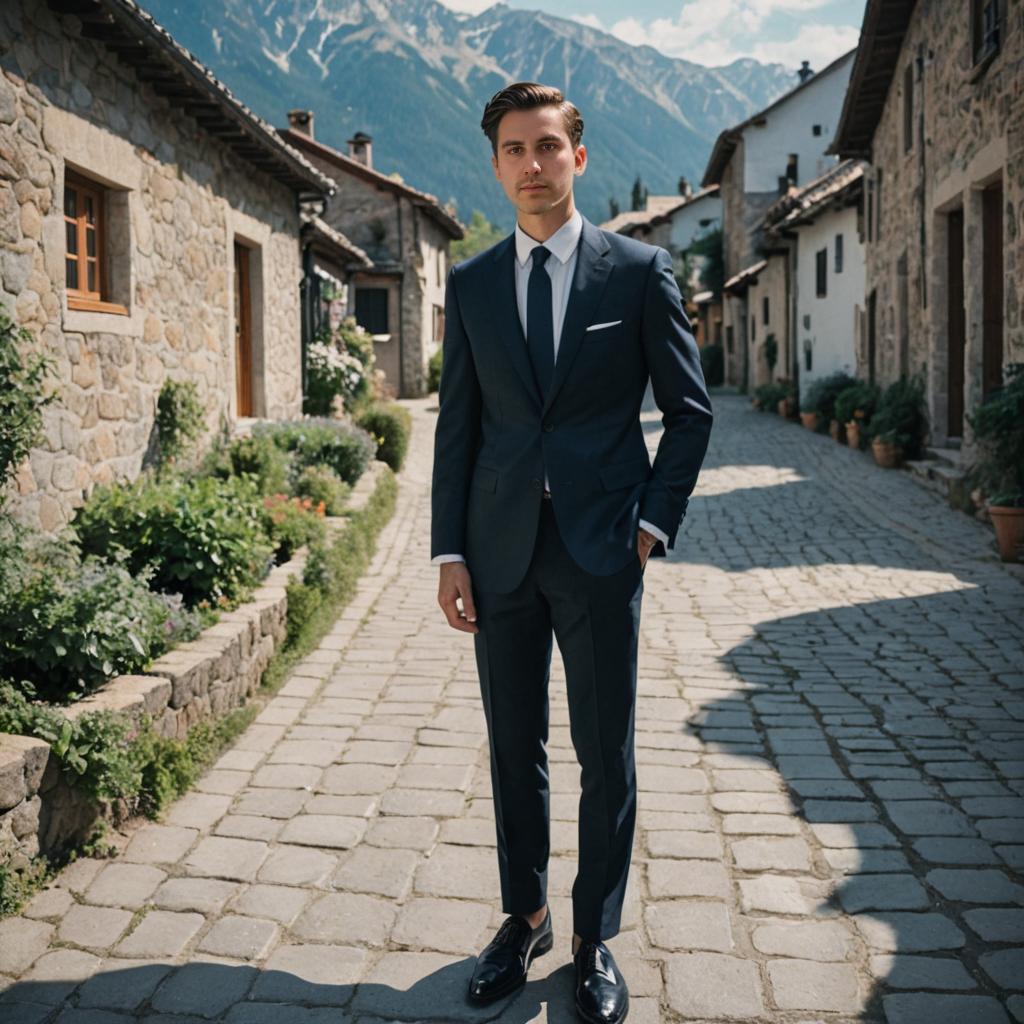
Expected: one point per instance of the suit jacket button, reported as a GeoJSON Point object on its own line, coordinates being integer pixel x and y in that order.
{"type": "Point", "coordinates": [536, 484]}
{"type": "Point", "coordinates": [548, 426]}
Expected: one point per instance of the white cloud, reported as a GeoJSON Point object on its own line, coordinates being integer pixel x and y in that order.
{"type": "Point", "coordinates": [590, 20]}
{"type": "Point", "coordinates": [721, 32]}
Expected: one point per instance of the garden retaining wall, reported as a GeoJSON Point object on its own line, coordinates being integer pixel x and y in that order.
{"type": "Point", "coordinates": [203, 679]}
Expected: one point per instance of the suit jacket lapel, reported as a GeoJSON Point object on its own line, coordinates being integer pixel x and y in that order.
{"type": "Point", "coordinates": [506, 314]}
{"type": "Point", "coordinates": [588, 284]}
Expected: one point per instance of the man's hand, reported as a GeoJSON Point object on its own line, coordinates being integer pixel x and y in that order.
{"type": "Point", "coordinates": [644, 542]}
{"type": "Point", "coordinates": [453, 585]}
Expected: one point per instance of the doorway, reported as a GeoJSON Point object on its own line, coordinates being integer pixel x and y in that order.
{"type": "Point", "coordinates": [956, 321]}
{"type": "Point", "coordinates": [992, 289]}
{"type": "Point", "coordinates": [243, 331]}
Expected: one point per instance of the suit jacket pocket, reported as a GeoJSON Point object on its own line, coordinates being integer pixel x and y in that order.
{"type": "Point", "coordinates": [625, 474]}
{"type": "Point", "coordinates": [485, 478]}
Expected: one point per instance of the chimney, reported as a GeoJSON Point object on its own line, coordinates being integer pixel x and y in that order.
{"type": "Point", "coordinates": [684, 188]}
{"type": "Point", "coordinates": [360, 148]}
{"type": "Point", "coordinates": [301, 121]}
{"type": "Point", "coordinates": [805, 71]}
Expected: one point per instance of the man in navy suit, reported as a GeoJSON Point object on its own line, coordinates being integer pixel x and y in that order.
{"type": "Point", "coordinates": [545, 510]}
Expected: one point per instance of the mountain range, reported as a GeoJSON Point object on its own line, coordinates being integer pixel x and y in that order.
{"type": "Point", "coordinates": [415, 76]}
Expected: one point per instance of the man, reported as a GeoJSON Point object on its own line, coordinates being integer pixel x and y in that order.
{"type": "Point", "coordinates": [545, 510]}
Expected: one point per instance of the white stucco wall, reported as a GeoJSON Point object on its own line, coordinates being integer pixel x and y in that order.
{"type": "Point", "coordinates": [686, 223]}
{"type": "Point", "coordinates": [789, 128]}
{"type": "Point", "coordinates": [832, 319]}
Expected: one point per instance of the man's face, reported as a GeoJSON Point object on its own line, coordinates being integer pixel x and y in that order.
{"type": "Point", "coordinates": [536, 162]}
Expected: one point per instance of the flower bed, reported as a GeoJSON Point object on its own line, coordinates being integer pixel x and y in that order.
{"type": "Point", "coordinates": [43, 811]}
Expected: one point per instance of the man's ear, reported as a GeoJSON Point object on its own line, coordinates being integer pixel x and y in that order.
{"type": "Point", "coordinates": [581, 158]}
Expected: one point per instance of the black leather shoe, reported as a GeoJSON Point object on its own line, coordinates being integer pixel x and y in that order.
{"type": "Point", "coordinates": [501, 968]}
{"type": "Point", "coordinates": [601, 993]}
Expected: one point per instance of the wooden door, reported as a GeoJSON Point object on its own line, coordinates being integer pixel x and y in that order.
{"type": "Point", "coordinates": [872, 335]}
{"type": "Point", "coordinates": [956, 325]}
{"type": "Point", "coordinates": [992, 288]}
{"type": "Point", "coordinates": [243, 331]}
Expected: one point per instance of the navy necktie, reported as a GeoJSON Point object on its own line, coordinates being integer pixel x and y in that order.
{"type": "Point", "coordinates": [540, 328]}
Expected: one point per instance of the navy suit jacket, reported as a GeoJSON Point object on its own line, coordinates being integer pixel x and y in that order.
{"type": "Point", "coordinates": [496, 436]}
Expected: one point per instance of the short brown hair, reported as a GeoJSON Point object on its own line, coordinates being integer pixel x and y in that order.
{"type": "Point", "coordinates": [527, 96]}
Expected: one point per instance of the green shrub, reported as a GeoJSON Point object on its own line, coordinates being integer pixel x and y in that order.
{"type": "Point", "coordinates": [179, 418]}
{"type": "Point", "coordinates": [901, 417]}
{"type": "Point", "coordinates": [303, 602]}
{"type": "Point", "coordinates": [434, 371]}
{"type": "Point", "coordinates": [291, 523]}
{"type": "Point", "coordinates": [820, 397]}
{"type": "Point", "coordinates": [21, 396]}
{"type": "Point", "coordinates": [858, 401]}
{"type": "Point", "coordinates": [323, 486]}
{"type": "Point", "coordinates": [998, 426]}
{"type": "Point", "coordinates": [391, 427]}
{"type": "Point", "coordinates": [768, 396]}
{"type": "Point", "coordinates": [95, 750]}
{"type": "Point", "coordinates": [203, 538]}
{"type": "Point", "coordinates": [712, 362]}
{"type": "Point", "coordinates": [339, 364]}
{"type": "Point", "coordinates": [69, 626]}
{"type": "Point", "coordinates": [257, 457]}
{"type": "Point", "coordinates": [340, 446]}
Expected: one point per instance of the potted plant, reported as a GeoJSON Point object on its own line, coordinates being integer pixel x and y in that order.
{"type": "Point", "coordinates": [998, 427]}
{"type": "Point", "coordinates": [854, 407]}
{"type": "Point", "coordinates": [898, 427]}
{"type": "Point", "coordinates": [786, 405]}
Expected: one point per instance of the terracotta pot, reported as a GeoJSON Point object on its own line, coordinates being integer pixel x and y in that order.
{"type": "Point", "coordinates": [835, 430]}
{"type": "Point", "coordinates": [853, 434]}
{"type": "Point", "coordinates": [756, 403]}
{"type": "Point", "coordinates": [1009, 524]}
{"type": "Point", "coordinates": [787, 408]}
{"type": "Point", "coordinates": [887, 454]}
{"type": "Point", "coordinates": [809, 420]}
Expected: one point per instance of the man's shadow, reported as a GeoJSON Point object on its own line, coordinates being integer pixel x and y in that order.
{"type": "Point", "coordinates": [244, 994]}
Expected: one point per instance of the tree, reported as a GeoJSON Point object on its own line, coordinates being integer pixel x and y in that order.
{"type": "Point", "coordinates": [613, 208]}
{"type": "Point", "coordinates": [712, 260]}
{"type": "Point", "coordinates": [639, 198]}
{"type": "Point", "coordinates": [480, 234]}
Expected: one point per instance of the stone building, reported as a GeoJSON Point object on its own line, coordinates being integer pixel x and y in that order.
{"type": "Point", "coordinates": [405, 234]}
{"type": "Point", "coordinates": [936, 104]}
{"type": "Point", "coordinates": [149, 229]}
{"type": "Point", "coordinates": [819, 229]}
{"type": "Point", "coordinates": [754, 163]}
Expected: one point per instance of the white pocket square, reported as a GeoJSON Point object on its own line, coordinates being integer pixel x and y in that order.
{"type": "Point", "coordinates": [598, 327]}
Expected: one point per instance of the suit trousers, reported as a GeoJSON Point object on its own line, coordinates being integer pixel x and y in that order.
{"type": "Point", "coordinates": [596, 621]}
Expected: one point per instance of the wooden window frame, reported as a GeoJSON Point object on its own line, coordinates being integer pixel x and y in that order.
{"type": "Point", "coordinates": [821, 273]}
{"type": "Point", "coordinates": [79, 298]}
{"type": "Point", "coordinates": [986, 39]}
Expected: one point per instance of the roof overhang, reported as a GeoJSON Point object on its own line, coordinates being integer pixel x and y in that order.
{"type": "Point", "coordinates": [745, 278]}
{"type": "Point", "coordinates": [172, 72]}
{"type": "Point", "coordinates": [881, 39]}
{"type": "Point", "coordinates": [334, 247]}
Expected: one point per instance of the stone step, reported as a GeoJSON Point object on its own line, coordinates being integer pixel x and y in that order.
{"type": "Point", "coordinates": [948, 479]}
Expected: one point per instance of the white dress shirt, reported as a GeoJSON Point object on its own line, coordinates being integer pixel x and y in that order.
{"type": "Point", "coordinates": [563, 246]}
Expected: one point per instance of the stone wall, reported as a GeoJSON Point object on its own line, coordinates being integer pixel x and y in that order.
{"type": "Point", "coordinates": [177, 202]}
{"type": "Point", "coordinates": [973, 133]}
{"type": "Point", "coordinates": [771, 284]}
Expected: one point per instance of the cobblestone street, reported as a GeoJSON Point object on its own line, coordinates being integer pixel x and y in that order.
{"type": "Point", "coordinates": [831, 767]}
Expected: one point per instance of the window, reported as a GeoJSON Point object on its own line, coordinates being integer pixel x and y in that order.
{"type": "Point", "coordinates": [438, 322]}
{"type": "Point", "coordinates": [729, 335]}
{"type": "Point", "coordinates": [820, 273]}
{"type": "Point", "coordinates": [986, 29]}
{"type": "Point", "coordinates": [753, 329]}
{"type": "Point", "coordinates": [372, 309]}
{"type": "Point", "coordinates": [816, 129]}
{"type": "Point", "coordinates": [764, 309]}
{"type": "Point", "coordinates": [837, 259]}
{"type": "Point", "coordinates": [85, 270]}
{"type": "Point", "coordinates": [908, 108]}
{"type": "Point", "coordinates": [878, 203]}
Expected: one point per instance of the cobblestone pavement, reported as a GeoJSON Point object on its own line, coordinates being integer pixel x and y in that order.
{"type": "Point", "coordinates": [830, 767]}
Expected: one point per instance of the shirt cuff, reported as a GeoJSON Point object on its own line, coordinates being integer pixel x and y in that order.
{"type": "Point", "coordinates": [441, 559]}
{"type": "Point", "coordinates": [651, 528]}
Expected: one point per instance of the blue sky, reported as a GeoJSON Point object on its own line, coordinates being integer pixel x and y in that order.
{"type": "Point", "coordinates": [716, 31]}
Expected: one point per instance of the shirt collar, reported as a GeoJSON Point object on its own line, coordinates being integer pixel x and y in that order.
{"type": "Point", "coordinates": [562, 244]}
